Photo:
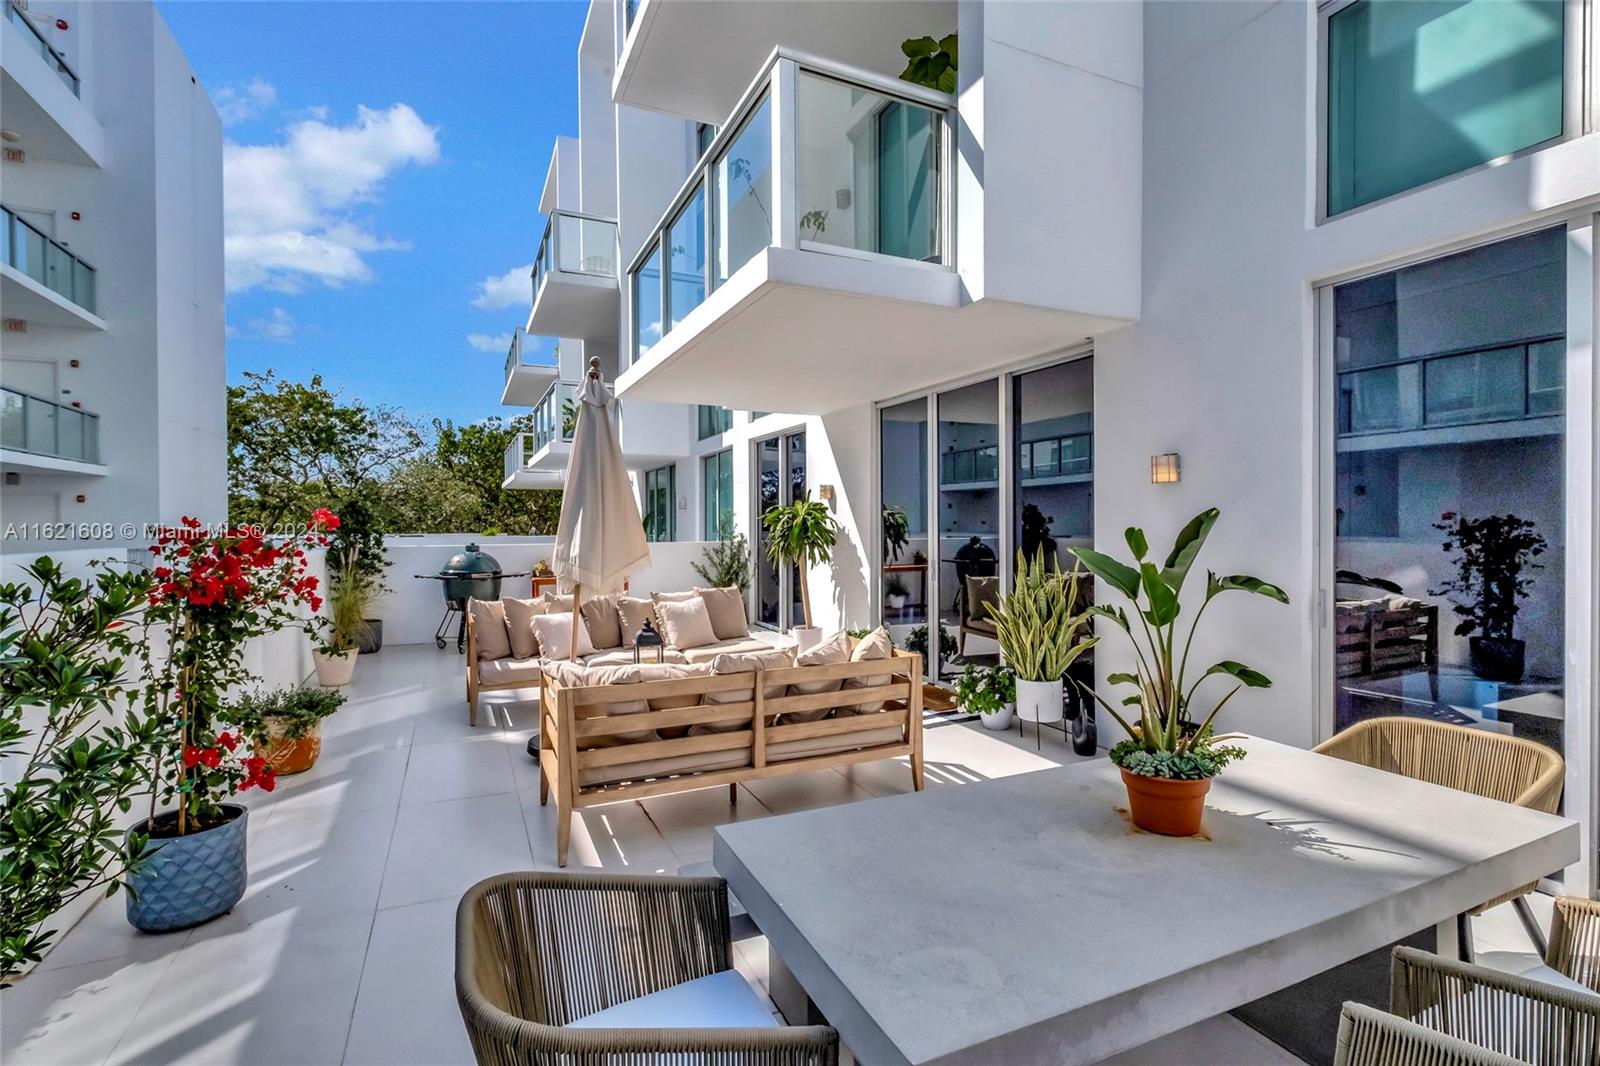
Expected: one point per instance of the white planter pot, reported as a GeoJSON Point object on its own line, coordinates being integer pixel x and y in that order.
{"type": "Point", "coordinates": [335, 671]}
{"type": "Point", "coordinates": [806, 638]}
{"type": "Point", "coordinates": [895, 602]}
{"type": "Point", "coordinates": [1000, 720]}
{"type": "Point", "coordinates": [1039, 701]}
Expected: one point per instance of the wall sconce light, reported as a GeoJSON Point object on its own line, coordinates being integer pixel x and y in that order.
{"type": "Point", "coordinates": [825, 493]}
{"type": "Point", "coordinates": [1165, 469]}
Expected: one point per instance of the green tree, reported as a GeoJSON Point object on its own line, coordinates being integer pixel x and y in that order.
{"type": "Point", "coordinates": [474, 456]}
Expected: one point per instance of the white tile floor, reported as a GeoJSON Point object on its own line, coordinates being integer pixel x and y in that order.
{"type": "Point", "coordinates": [342, 949]}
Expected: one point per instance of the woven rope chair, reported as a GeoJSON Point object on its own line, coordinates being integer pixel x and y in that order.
{"type": "Point", "coordinates": [1370, 1037]}
{"type": "Point", "coordinates": [1575, 940]}
{"type": "Point", "coordinates": [535, 951]}
{"type": "Point", "coordinates": [1493, 765]}
{"type": "Point", "coordinates": [1526, 1019]}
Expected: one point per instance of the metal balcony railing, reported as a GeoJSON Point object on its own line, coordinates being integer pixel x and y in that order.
{"type": "Point", "coordinates": [556, 414]}
{"type": "Point", "coordinates": [515, 359]}
{"type": "Point", "coordinates": [574, 243]}
{"type": "Point", "coordinates": [518, 452]}
{"type": "Point", "coordinates": [34, 424]}
{"type": "Point", "coordinates": [25, 247]}
{"type": "Point", "coordinates": [36, 41]}
{"type": "Point", "coordinates": [816, 156]}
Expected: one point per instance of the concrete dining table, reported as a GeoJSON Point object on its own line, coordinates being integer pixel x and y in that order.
{"type": "Point", "coordinates": [1024, 919]}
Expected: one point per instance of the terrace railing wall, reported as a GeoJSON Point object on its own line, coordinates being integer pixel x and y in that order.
{"type": "Point", "coordinates": [37, 42]}
{"type": "Point", "coordinates": [575, 243]}
{"type": "Point", "coordinates": [39, 426]}
{"type": "Point", "coordinates": [26, 248]}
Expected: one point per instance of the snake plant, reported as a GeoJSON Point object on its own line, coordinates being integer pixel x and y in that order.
{"type": "Point", "coordinates": [1035, 626]}
{"type": "Point", "coordinates": [1163, 693]}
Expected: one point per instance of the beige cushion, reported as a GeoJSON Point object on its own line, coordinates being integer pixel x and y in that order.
{"type": "Point", "coordinates": [600, 618]}
{"type": "Point", "coordinates": [624, 657]}
{"type": "Point", "coordinates": [553, 631]}
{"type": "Point", "coordinates": [576, 675]}
{"type": "Point", "coordinates": [520, 672]}
{"type": "Point", "coordinates": [743, 663]}
{"type": "Point", "coordinates": [666, 767]}
{"type": "Point", "coordinates": [675, 597]}
{"type": "Point", "coordinates": [632, 614]}
{"type": "Point", "coordinates": [555, 601]}
{"type": "Point", "coordinates": [875, 645]}
{"type": "Point", "coordinates": [867, 738]}
{"type": "Point", "coordinates": [834, 650]}
{"type": "Point", "coordinates": [726, 607]}
{"type": "Point", "coordinates": [685, 624]}
{"type": "Point", "coordinates": [519, 624]}
{"type": "Point", "coordinates": [729, 647]}
{"type": "Point", "coordinates": [489, 629]}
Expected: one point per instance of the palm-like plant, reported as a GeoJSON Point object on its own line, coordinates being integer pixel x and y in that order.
{"type": "Point", "coordinates": [801, 534]}
{"type": "Point", "coordinates": [1034, 624]}
{"type": "Point", "coordinates": [896, 532]}
{"type": "Point", "coordinates": [1165, 727]}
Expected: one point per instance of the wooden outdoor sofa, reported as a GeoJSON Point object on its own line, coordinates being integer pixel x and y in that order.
{"type": "Point", "coordinates": [688, 738]}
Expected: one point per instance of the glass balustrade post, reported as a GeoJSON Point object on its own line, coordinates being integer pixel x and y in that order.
{"type": "Point", "coordinates": [786, 218]}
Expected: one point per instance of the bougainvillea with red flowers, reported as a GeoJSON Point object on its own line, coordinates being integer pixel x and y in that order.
{"type": "Point", "coordinates": [210, 595]}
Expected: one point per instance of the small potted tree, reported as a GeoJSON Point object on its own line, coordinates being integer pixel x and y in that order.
{"type": "Point", "coordinates": [1492, 555]}
{"type": "Point", "coordinates": [895, 594]}
{"type": "Point", "coordinates": [802, 534]}
{"type": "Point", "coordinates": [1039, 635]}
{"type": "Point", "coordinates": [1168, 759]}
{"type": "Point", "coordinates": [990, 693]}
{"type": "Point", "coordinates": [284, 726]}
{"type": "Point", "coordinates": [210, 595]}
{"type": "Point", "coordinates": [349, 596]}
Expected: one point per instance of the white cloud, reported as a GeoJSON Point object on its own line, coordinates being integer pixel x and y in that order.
{"type": "Point", "coordinates": [498, 343]}
{"type": "Point", "coordinates": [514, 288]}
{"type": "Point", "coordinates": [236, 104]}
{"type": "Point", "coordinates": [278, 327]}
{"type": "Point", "coordinates": [287, 206]}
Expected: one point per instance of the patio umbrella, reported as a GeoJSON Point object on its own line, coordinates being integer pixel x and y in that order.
{"type": "Point", "coordinates": [600, 538]}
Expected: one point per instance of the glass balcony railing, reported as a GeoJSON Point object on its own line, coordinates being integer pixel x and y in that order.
{"type": "Point", "coordinates": [24, 247]}
{"type": "Point", "coordinates": [576, 244]}
{"type": "Point", "coordinates": [36, 41]}
{"type": "Point", "coordinates": [1063, 456]}
{"type": "Point", "coordinates": [870, 179]}
{"type": "Point", "coordinates": [33, 424]}
{"type": "Point", "coordinates": [518, 452]}
{"type": "Point", "coordinates": [1499, 384]}
{"type": "Point", "coordinates": [515, 357]}
{"type": "Point", "coordinates": [556, 414]}
{"type": "Point", "coordinates": [968, 465]}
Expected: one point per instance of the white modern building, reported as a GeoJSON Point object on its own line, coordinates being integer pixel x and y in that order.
{"type": "Point", "coordinates": [111, 280]}
{"type": "Point", "coordinates": [1328, 267]}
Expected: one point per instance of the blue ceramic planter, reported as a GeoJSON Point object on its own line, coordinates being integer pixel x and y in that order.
{"type": "Point", "coordinates": [183, 881]}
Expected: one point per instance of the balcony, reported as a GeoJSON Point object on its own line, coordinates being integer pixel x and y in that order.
{"type": "Point", "coordinates": [41, 281]}
{"type": "Point", "coordinates": [525, 380]}
{"type": "Point", "coordinates": [575, 278]}
{"type": "Point", "coordinates": [519, 475]}
{"type": "Point", "coordinates": [43, 436]}
{"type": "Point", "coordinates": [41, 91]}
{"type": "Point", "coordinates": [722, 43]}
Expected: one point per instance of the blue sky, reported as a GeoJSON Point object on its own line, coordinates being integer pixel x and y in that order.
{"type": "Point", "coordinates": [382, 169]}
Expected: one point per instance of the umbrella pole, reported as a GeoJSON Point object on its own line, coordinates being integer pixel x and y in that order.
{"type": "Point", "coordinates": [572, 646]}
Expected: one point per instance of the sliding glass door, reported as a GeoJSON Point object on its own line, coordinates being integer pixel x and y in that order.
{"type": "Point", "coordinates": [780, 465]}
{"type": "Point", "coordinates": [903, 467]}
{"type": "Point", "coordinates": [969, 521]}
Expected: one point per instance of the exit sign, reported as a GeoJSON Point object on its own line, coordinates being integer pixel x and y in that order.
{"type": "Point", "coordinates": [15, 155]}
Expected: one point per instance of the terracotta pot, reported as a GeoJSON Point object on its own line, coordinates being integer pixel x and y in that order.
{"type": "Point", "coordinates": [291, 755]}
{"type": "Point", "coordinates": [1162, 805]}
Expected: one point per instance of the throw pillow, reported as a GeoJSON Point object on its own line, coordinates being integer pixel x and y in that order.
{"type": "Point", "coordinates": [553, 631]}
{"type": "Point", "coordinates": [831, 652]}
{"type": "Point", "coordinates": [674, 597]}
{"type": "Point", "coordinates": [727, 610]}
{"type": "Point", "coordinates": [519, 623]}
{"type": "Point", "coordinates": [489, 629]}
{"type": "Point", "coordinates": [600, 618]}
{"type": "Point", "coordinates": [632, 613]}
{"type": "Point", "coordinates": [685, 624]}
{"type": "Point", "coordinates": [555, 601]}
{"type": "Point", "coordinates": [875, 645]}
{"type": "Point", "coordinates": [576, 675]}
{"type": "Point", "coordinates": [744, 663]}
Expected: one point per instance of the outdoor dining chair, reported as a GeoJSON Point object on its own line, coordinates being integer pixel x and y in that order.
{"type": "Point", "coordinates": [1371, 1037]}
{"type": "Point", "coordinates": [590, 969]}
{"type": "Point", "coordinates": [1494, 765]}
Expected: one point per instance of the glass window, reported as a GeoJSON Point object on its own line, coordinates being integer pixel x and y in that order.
{"type": "Point", "coordinates": [969, 510]}
{"type": "Point", "coordinates": [1053, 427]}
{"type": "Point", "coordinates": [661, 503]}
{"type": "Point", "coordinates": [704, 134]}
{"type": "Point", "coordinates": [687, 239]}
{"type": "Point", "coordinates": [743, 217]}
{"type": "Point", "coordinates": [1420, 628]}
{"type": "Point", "coordinates": [716, 493]}
{"type": "Point", "coordinates": [713, 421]}
{"type": "Point", "coordinates": [867, 170]}
{"type": "Point", "coordinates": [647, 303]}
{"type": "Point", "coordinates": [1420, 89]}
{"type": "Point", "coordinates": [903, 482]}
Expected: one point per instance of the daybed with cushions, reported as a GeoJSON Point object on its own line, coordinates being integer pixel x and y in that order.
{"type": "Point", "coordinates": [608, 733]}
{"type": "Point", "coordinates": [506, 638]}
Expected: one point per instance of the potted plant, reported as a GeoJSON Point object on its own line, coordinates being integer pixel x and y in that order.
{"type": "Point", "coordinates": [1491, 555]}
{"type": "Point", "coordinates": [896, 532]}
{"type": "Point", "coordinates": [210, 595]}
{"type": "Point", "coordinates": [895, 594]}
{"type": "Point", "coordinates": [73, 764]}
{"type": "Point", "coordinates": [358, 547]}
{"type": "Point", "coordinates": [726, 560]}
{"type": "Point", "coordinates": [1168, 760]}
{"type": "Point", "coordinates": [284, 726]}
{"type": "Point", "coordinates": [801, 534]}
{"type": "Point", "coordinates": [1039, 635]}
{"type": "Point", "coordinates": [990, 693]}
{"type": "Point", "coordinates": [350, 596]}
{"type": "Point", "coordinates": [917, 641]}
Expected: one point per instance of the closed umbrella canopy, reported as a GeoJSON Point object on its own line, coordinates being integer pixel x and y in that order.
{"type": "Point", "coordinates": [600, 539]}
